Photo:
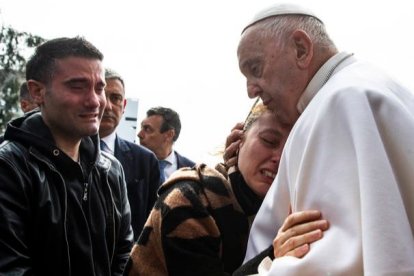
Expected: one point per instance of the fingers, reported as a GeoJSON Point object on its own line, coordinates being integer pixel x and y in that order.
{"type": "Point", "coordinates": [232, 145]}
{"type": "Point", "coordinates": [298, 235]}
{"type": "Point", "coordinates": [238, 126]}
{"type": "Point", "coordinates": [300, 217]}
{"type": "Point", "coordinates": [231, 162]}
{"type": "Point", "coordinates": [235, 134]}
{"type": "Point", "coordinates": [298, 231]}
{"type": "Point", "coordinates": [297, 245]}
{"type": "Point", "coordinates": [299, 252]}
{"type": "Point", "coordinates": [231, 151]}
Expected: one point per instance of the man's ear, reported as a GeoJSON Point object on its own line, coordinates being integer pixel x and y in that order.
{"type": "Point", "coordinates": [37, 91]}
{"type": "Point", "coordinates": [303, 47]}
{"type": "Point", "coordinates": [170, 134]}
{"type": "Point", "coordinates": [24, 104]}
{"type": "Point", "coordinates": [123, 109]}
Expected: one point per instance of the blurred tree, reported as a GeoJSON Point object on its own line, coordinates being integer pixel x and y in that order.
{"type": "Point", "coordinates": [14, 46]}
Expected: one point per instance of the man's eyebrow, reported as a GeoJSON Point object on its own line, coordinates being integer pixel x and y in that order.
{"type": "Point", "coordinates": [82, 81]}
{"type": "Point", "coordinates": [76, 80]}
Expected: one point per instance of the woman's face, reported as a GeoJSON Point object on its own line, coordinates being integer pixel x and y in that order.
{"type": "Point", "coordinates": [260, 151]}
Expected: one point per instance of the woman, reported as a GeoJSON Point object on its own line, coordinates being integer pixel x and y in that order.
{"type": "Point", "coordinates": [201, 220]}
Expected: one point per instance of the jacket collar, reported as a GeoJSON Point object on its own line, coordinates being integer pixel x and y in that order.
{"type": "Point", "coordinates": [328, 69]}
{"type": "Point", "coordinates": [31, 131]}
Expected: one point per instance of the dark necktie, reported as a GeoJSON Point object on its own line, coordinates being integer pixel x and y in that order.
{"type": "Point", "coordinates": [104, 147]}
{"type": "Point", "coordinates": [162, 164]}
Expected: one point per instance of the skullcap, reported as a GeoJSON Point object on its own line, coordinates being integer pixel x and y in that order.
{"type": "Point", "coordinates": [280, 9]}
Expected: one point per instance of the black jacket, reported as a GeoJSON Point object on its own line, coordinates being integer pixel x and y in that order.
{"type": "Point", "coordinates": [142, 178]}
{"type": "Point", "coordinates": [57, 216]}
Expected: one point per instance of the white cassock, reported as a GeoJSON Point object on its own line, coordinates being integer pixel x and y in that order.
{"type": "Point", "coordinates": [351, 156]}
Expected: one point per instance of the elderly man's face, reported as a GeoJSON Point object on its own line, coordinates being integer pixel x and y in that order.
{"type": "Point", "coordinates": [271, 73]}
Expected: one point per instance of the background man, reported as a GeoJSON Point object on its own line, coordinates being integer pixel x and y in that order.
{"type": "Point", "coordinates": [63, 204]}
{"type": "Point", "coordinates": [26, 102]}
{"type": "Point", "coordinates": [348, 155]}
{"type": "Point", "coordinates": [158, 133]}
{"type": "Point", "coordinates": [140, 165]}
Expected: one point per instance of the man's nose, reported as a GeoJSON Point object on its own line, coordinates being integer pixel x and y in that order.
{"type": "Point", "coordinates": [139, 135]}
{"type": "Point", "coordinates": [253, 90]}
{"type": "Point", "coordinates": [94, 99]}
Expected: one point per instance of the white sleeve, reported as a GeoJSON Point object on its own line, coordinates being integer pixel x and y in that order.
{"type": "Point", "coordinates": [351, 156]}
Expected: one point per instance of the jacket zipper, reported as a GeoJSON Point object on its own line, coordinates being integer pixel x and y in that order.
{"type": "Point", "coordinates": [85, 191]}
{"type": "Point", "coordinates": [85, 185]}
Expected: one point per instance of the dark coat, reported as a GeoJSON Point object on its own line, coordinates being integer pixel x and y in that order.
{"type": "Point", "coordinates": [142, 178]}
{"type": "Point", "coordinates": [183, 161]}
{"type": "Point", "coordinates": [58, 216]}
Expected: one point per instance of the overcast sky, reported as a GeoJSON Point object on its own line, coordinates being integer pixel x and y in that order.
{"type": "Point", "coordinates": [182, 54]}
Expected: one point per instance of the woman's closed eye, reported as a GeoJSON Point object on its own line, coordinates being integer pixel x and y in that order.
{"type": "Point", "coordinates": [270, 140]}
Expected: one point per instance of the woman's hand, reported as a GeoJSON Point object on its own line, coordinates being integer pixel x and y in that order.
{"type": "Point", "coordinates": [232, 145]}
{"type": "Point", "coordinates": [297, 232]}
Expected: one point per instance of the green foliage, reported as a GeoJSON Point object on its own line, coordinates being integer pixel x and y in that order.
{"type": "Point", "coordinates": [14, 47]}
{"type": "Point", "coordinates": [9, 100]}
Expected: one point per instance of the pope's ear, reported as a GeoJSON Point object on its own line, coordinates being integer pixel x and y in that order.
{"type": "Point", "coordinates": [303, 47]}
{"type": "Point", "coordinates": [37, 91]}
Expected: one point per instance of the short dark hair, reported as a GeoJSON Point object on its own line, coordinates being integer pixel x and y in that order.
{"type": "Point", "coordinates": [171, 119]}
{"type": "Point", "coordinates": [41, 65]}
{"type": "Point", "coordinates": [24, 91]}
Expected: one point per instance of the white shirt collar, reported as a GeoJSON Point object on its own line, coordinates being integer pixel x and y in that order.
{"type": "Point", "coordinates": [171, 158]}
{"type": "Point", "coordinates": [172, 164]}
{"type": "Point", "coordinates": [110, 141]}
{"type": "Point", "coordinates": [329, 68]}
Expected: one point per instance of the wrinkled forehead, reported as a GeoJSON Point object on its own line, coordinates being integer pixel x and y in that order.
{"type": "Point", "coordinates": [249, 38]}
{"type": "Point", "coordinates": [253, 49]}
{"type": "Point", "coordinates": [248, 45]}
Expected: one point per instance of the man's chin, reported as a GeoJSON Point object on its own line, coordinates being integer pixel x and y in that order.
{"type": "Point", "coordinates": [105, 130]}
{"type": "Point", "coordinates": [107, 125]}
{"type": "Point", "coordinates": [90, 131]}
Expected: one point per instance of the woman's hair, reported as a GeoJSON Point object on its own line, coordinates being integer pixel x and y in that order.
{"type": "Point", "coordinates": [255, 113]}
